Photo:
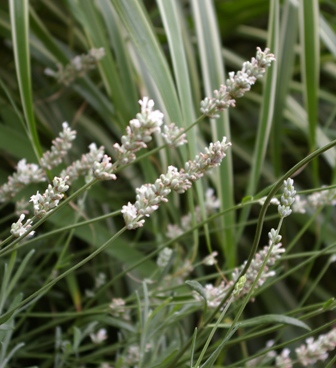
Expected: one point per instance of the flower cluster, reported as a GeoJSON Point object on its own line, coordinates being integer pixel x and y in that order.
{"type": "Point", "coordinates": [60, 147]}
{"type": "Point", "coordinates": [287, 198]}
{"type": "Point", "coordinates": [118, 310]}
{"type": "Point", "coordinates": [215, 294]}
{"type": "Point", "coordinates": [43, 203]}
{"type": "Point", "coordinates": [84, 165]}
{"type": "Point", "coordinates": [173, 135]}
{"type": "Point", "coordinates": [238, 84]}
{"type": "Point", "coordinates": [306, 355]}
{"type": "Point", "coordinates": [133, 355]}
{"type": "Point", "coordinates": [149, 196]}
{"type": "Point", "coordinates": [139, 132]}
{"type": "Point", "coordinates": [31, 173]}
{"type": "Point", "coordinates": [256, 264]}
{"type": "Point", "coordinates": [19, 229]}
{"type": "Point", "coordinates": [271, 253]}
{"type": "Point", "coordinates": [103, 170]}
{"type": "Point", "coordinates": [164, 257]}
{"type": "Point", "coordinates": [302, 204]}
{"type": "Point", "coordinates": [25, 174]}
{"type": "Point", "coordinates": [315, 350]}
{"type": "Point", "coordinates": [77, 67]}
{"type": "Point", "coordinates": [315, 200]}
{"type": "Point", "coordinates": [210, 260]}
{"type": "Point", "coordinates": [322, 198]}
{"type": "Point", "coordinates": [203, 162]}
{"type": "Point", "coordinates": [98, 337]}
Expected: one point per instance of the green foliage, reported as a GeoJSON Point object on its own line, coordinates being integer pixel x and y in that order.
{"type": "Point", "coordinates": [84, 291]}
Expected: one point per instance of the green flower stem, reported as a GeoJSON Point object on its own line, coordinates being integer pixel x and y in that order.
{"type": "Point", "coordinates": [61, 229]}
{"type": "Point", "coordinates": [214, 329]}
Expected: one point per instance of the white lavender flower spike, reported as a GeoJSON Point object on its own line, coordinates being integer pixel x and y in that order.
{"type": "Point", "coordinates": [237, 84]}
{"type": "Point", "coordinates": [149, 196]}
{"type": "Point", "coordinates": [43, 203]}
{"type": "Point", "coordinates": [287, 198]}
{"type": "Point", "coordinates": [84, 165]}
{"type": "Point", "coordinates": [25, 174]}
{"type": "Point", "coordinates": [139, 132]}
{"type": "Point", "coordinates": [19, 229]}
{"type": "Point", "coordinates": [173, 135]}
{"type": "Point", "coordinates": [104, 170]}
{"type": "Point", "coordinates": [60, 146]}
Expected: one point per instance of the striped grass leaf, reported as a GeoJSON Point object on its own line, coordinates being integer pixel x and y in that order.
{"type": "Point", "coordinates": [267, 110]}
{"type": "Point", "coordinates": [142, 36]}
{"type": "Point", "coordinates": [310, 62]}
{"type": "Point", "coordinates": [212, 69]}
{"type": "Point", "coordinates": [19, 17]}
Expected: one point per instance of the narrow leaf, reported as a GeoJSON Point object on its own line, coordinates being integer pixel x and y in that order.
{"type": "Point", "coordinates": [20, 35]}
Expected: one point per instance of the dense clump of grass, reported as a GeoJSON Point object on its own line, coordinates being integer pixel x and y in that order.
{"type": "Point", "coordinates": [167, 184]}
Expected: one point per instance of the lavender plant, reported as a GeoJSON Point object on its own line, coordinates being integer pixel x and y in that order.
{"type": "Point", "coordinates": [145, 249]}
{"type": "Point", "coordinates": [259, 270]}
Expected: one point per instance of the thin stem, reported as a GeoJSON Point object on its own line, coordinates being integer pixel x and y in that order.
{"type": "Point", "coordinates": [214, 329]}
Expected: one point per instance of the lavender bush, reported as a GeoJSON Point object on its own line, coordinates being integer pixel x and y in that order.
{"type": "Point", "coordinates": [156, 210]}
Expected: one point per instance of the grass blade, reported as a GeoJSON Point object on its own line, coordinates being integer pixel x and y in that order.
{"type": "Point", "coordinates": [94, 28]}
{"type": "Point", "coordinates": [212, 72]}
{"type": "Point", "coordinates": [284, 64]}
{"type": "Point", "coordinates": [141, 33]}
{"type": "Point", "coordinates": [267, 108]}
{"type": "Point", "coordinates": [20, 35]}
{"type": "Point", "coordinates": [310, 61]}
